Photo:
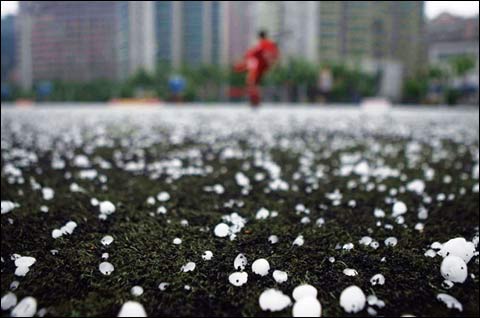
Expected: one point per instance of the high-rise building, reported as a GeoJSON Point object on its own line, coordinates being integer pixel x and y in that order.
{"type": "Point", "coordinates": [237, 30]}
{"type": "Point", "coordinates": [8, 48]}
{"type": "Point", "coordinates": [69, 40]}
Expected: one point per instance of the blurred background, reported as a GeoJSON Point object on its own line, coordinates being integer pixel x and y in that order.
{"type": "Point", "coordinates": [418, 52]}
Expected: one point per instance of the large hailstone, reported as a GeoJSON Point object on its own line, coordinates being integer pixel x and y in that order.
{"type": "Point", "coordinates": [450, 301]}
{"type": "Point", "coordinates": [352, 299]}
{"type": "Point", "coordinates": [221, 230]}
{"type": "Point", "coordinates": [261, 267]}
{"type": "Point", "coordinates": [132, 309]}
{"type": "Point", "coordinates": [7, 206]}
{"type": "Point", "coordinates": [454, 269]}
{"type": "Point", "coordinates": [307, 307]}
{"type": "Point", "coordinates": [458, 247]}
{"type": "Point", "coordinates": [240, 262]}
{"type": "Point", "coordinates": [106, 268]}
{"type": "Point", "coordinates": [238, 278]}
{"type": "Point", "coordinates": [399, 208]}
{"type": "Point", "coordinates": [417, 186]}
{"type": "Point", "coordinates": [274, 300]}
{"type": "Point", "coordinates": [9, 300]}
{"type": "Point", "coordinates": [303, 291]}
{"type": "Point", "coordinates": [27, 307]}
{"type": "Point", "coordinates": [107, 207]}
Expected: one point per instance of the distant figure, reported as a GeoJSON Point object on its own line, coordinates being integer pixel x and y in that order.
{"type": "Point", "coordinates": [258, 60]}
{"type": "Point", "coordinates": [325, 83]}
{"type": "Point", "coordinates": [176, 84]}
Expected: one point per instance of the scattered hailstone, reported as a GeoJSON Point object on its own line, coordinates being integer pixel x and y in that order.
{"type": "Point", "coordinates": [303, 291]}
{"type": "Point", "coordinates": [105, 256]}
{"type": "Point", "coordinates": [48, 193]}
{"type": "Point", "coordinates": [377, 279]}
{"type": "Point", "coordinates": [207, 255]}
{"type": "Point", "coordinates": [44, 209]}
{"type": "Point", "coordinates": [107, 207]}
{"type": "Point", "coordinates": [379, 213]}
{"type": "Point", "coordinates": [132, 309]}
{"type": "Point", "coordinates": [273, 239]}
{"type": "Point", "coordinates": [56, 233]}
{"type": "Point", "coordinates": [238, 278]}
{"type": "Point", "coordinates": [261, 267]}
{"type": "Point", "coordinates": [417, 186]}
{"type": "Point", "coordinates": [299, 241]}
{"type": "Point", "coordinates": [262, 214]}
{"type": "Point", "coordinates": [136, 290]}
{"type": "Point", "coordinates": [23, 264]}
{"type": "Point", "coordinates": [348, 246]}
{"type": "Point", "coordinates": [9, 300]}
{"type": "Point", "coordinates": [430, 253]}
{"type": "Point", "coordinates": [447, 284]}
{"type": "Point", "coordinates": [94, 202]}
{"type": "Point", "coordinates": [399, 208]}
{"type": "Point", "coordinates": [163, 286]}
{"type": "Point", "coordinates": [240, 262]}
{"type": "Point", "coordinates": [107, 240]}
{"type": "Point", "coordinates": [450, 301]}
{"type": "Point", "coordinates": [163, 196]}
{"type": "Point", "coordinates": [454, 268]}
{"type": "Point", "coordinates": [27, 307]}
{"type": "Point", "coordinates": [106, 268]}
{"type": "Point", "coordinates": [7, 206]}
{"type": "Point", "coordinates": [274, 300]}
{"type": "Point", "coordinates": [307, 307]}
{"type": "Point", "coordinates": [366, 240]}
{"type": "Point", "coordinates": [391, 241]}
{"type": "Point", "coordinates": [151, 200]}
{"type": "Point", "coordinates": [352, 299]}
{"type": "Point", "coordinates": [221, 230]}
{"type": "Point", "coordinates": [189, 267]}
{"type": "Point", "coordinates": [280, 276]}
{"type": "Point", "coordinates": [177, 241]}
{"type": "Point", "coordinates": [458, 247]}
{"type": "Point", "coordinates": [350, 272]}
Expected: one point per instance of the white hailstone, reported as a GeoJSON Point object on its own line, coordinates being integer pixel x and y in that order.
{"type": "Point", "coordinates": [48, 193]}
{"type": "Point", "coordinates": [177, 241]}
{"type": "Point", "coordinates": [430, 253]}
{"type": "Point", "coordinates": [303, 291]}
{"type": "Point", "coordinates": [273, 239]}
{"type": "Point", "coordinates": [454, 268]}
{"type": "Point", "coordinates": [132, 309]}
{"type": "Point", "coordinates": [458, 247]}
{"type": "Point", "coordinates": [189, 267]}
{"type": "Point", "coordinates": [391, 241]}
{"type": "Point", "coordinates": [107, 240]}
{"type": "Point", "coordinates": [44, 209]}
{"type": "Point", "coordinates": [163, 196]}
{"type": "Point", "coordinates": [56, 233]}
{"type": "Point", "coordinates": [70, 227]}
{"type": "Point", "coordinates": [374, 245]}
{"type": "Point", "coordinates": [399, 208]}
{"type": "Point", "coordinates": [136, 291]}
{"type": "Point", "coordinates": [27, 307]}
{"type": "Point", "coordinates": [107, 207]}
{"type": "Point", "coordinates": [238, 278]}
{"type": "Point", "coordinates": [305, 220]}
{"type": "Point", "coordinates": [299, 241]}
{"type": "Point", "coordinates": [221, 230]}
{"type": "Point", "coordinates": [350, 272]}
{"type": "Point", "coordinates": [14, 285]}
{"type": "Point", "coordinates": [105, 256]}
{"type": "Point", "coordinates": [242, 179]}
{"type": "Point", "coordinates": [352, 299]}
{"type": "Point", "coordinates": [379, 213]}
{"type": "Point", "coordinates": [262, 214]}
{"type": "Point", "coordinates": [320, 222]}
{"type": "Point", "coordinates": [163, 286]}
{"type": "Point", "coordinates": [436, 245]}
{"type": "Point", "coordinates": [447, 284]}
{"type": "Point", "coordinates": [94, 201]}
{"type": "Point", "coordinates": [187, 287]}
{"type": "Point", "coordinates": [106, 268]}
{"type": "Point", "coordinates": [419, 227]}
{"type": "Point", "coordinates": [22, 270]}
{"type": "Point", "coordinates": [207, 255]}
{"type": "Point", "coordinates": [377, 279]}
{"type": "Point", "coordinates": [307, 307]}
{"type": "Point", "coordinates": [274, 300]}
{"type": "Point", "coordinates": [7, 206]}
{"type": "Point", "coordinates": [280, 276]}
{"type": "Point", "coordinates": [151, 200]}
{"type": "Point", "coordinates": [417, 186]}
{"type": "Point", "coordinates": [366, 240]}
{"type": "Point", "coordinates": [331, 259]}
{"type": "Point", "coordinates": [9, 300]}
{"type": "Point", "coordinates": [219, 189]}
{"type": "Point", "coordinates": [348, 246]}
{"type": "Point", "coordinates": [450, 301]}
{"type": "Point", "coordinates": [422, 213]}
{"type": "Point", "coordinates": [240, 262]}
{"type": "Point", "coordinates": [25, 261]}
{"type": "Point", "coordinates": [161, 210]}
{"type": "Point", "coordinates": [261, 267]}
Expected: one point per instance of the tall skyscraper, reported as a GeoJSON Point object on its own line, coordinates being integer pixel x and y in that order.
{"type": "Point", "coordinates": [8, 48]}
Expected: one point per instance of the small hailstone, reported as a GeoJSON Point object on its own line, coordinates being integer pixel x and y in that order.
{"type": "Point", "coordinates": [26, 261]}
{"type": "Point", "coordinates": [189, 267]}
{"type": "Point", "coordinates": [352, 299]}
{"type": "Point", "coordinates": [350, 272]}
{"type": "Point", "coordinates": [48, 193]}
{"type": "Point", "coordinates": [377, 279]}
{"type": "Point", "coordinates": [27, 307]}
{"type": "Point", "coordinates": [447, 284]}
{"type": "Point", "coordinates": [44, 209]}
{"type": "Point", "coordinates": [240, 262]}
{"type": "Point", "coordinates": [163, 286]}
{"type": "Point", "coordinates": [105, 256]}
{"type": "Point", "coordinates": [261, 267]}
{"type": "Point", "coordinates": [280, 276]}
{"type": "Point", "coordinates": [136, 290]}
{"type": "Point", "coordinates": [399, 208]}
{"type": "Point", "coordinates": [436, 245]}
{"type": "Point", "coordinates": [307, 307]}
{"type": "Point", "coordinates": [348, 246]}
{"type": "Point", "coordinates": [305, 220]}
{"type": "Point", "coordinates": [419, 227]}
{"type": "Point", "coordinates": [299, 241]}
{"type": "Point", "coordinates": [331, 259]}
{"type": "Point", "coordinates": [163, 196]}
{"type": "Point", "coordinates": [417, 186]}
{"type": "Point", "coordinates": [70, 227]}
{"type": "Point", "coordinates": [107, 207]}
{"type": "Point", "coordinates": [450, 301]}
{"type": "Point", "coordinates": [9, 300]}
{"type": "Point", "coordinates": [262, 214]}
{"type": "Point", "coordinates": [454, 268]}
{"type": "Point", "coordinates": [22, 270]}
{"type": "Point", "coordinates": [7, 206]}
{"type": "Point", "coordinates": [391, 241]}
{"type": "Point", "coordinates": [238, 278]}
{"type": "Point", "coordinates": [379, 213]}
{"type": "Point", "coordinates": [94, 202]}
{"type": "Point", "coordinates": [187, 287]}
{"type": "Point", "coordinates": [151, 200]}
{"type": "Point", "coordinates": [430, 253]}
{"type": "Point", "coordinates": [366, 240]}
{"type": "Point", "coordinates": [106, 268]}
{"type": "Point", "coordinates": [274, 300]}
{"type": "Point", "coordinates": [161, 210]}
{"type": "Point", "coordinates": [107, 240]}
{"type": "Point", "coordinates": [132, 309]}
{"type": "Point", "coordinates": [207, 255]}
{"type": "Point", "coordinates": [320, 222]}
{"type": "Point", "coordinates": [273, 239]}
{"type": "Point", "coordinates": [458, 247]}
{"type": "Point", "coordinates": [14, 285]}
{"type": "Point", "coordinates": [221, 230]}
{"type": "Point", "coordinates": [303, 291]}
{"type": "Point", "coordinates": [177, 241]}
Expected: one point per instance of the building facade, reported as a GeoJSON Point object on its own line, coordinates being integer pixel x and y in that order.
{"type": "Point", "coordinates": [8, 48]}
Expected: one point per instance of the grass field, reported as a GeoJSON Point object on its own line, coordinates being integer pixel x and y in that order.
{"type": "Point", "coordinates": [324, 171]}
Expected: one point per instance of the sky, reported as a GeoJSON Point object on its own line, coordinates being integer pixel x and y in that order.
{"type": "Point", "coordinates": [432, 8]}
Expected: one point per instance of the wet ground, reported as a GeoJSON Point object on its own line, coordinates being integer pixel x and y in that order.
{"type": "Point", "coordinates": [329, 177]}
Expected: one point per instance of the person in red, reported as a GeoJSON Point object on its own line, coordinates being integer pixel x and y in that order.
{"type": "Point", "coordinates": [258, 60]}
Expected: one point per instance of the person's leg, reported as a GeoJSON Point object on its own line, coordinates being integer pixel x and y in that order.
{"type": "Point", "coordinates": [253, 90]}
